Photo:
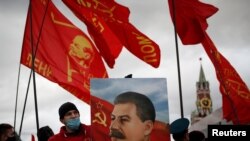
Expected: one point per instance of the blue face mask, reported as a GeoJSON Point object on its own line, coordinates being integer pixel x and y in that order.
{"type": "Point", "coordinates": [73, 124]}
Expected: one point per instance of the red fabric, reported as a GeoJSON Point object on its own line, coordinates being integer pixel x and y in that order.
{"type": "Point", "coordinates": [114, 18]}
{"type": "Point", "coordinates": [191, 16]}
{"type": "Point", "coordinates": [107, 43]}
{"type": "Point", "coordinates": [191, 19]}
{"type": "Point", "coordinates": [235, 93]}
{"type": "Point", "coordinates": [101, 119]}
{"type": "Point", "coordinates": [32, 137]}
{"type": "Point", "coordinates": [83, 135]}
{"type": "Point", "coordinates": [160, 132]}
{"type": "Point", "coordinates": [65, 55]}
{"type": "Point", "coordinates": [137, 43]}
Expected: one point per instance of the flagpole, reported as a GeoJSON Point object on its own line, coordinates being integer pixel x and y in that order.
{"type": "Point", "coordinates": [17, 90]}
{"type": "Point", "coordinates": [32, 72]}
{"type": "Point", "coordinates": [33, 68]}
{"type": "Point", "coordinates": [24, 106]}
{"type": "Point", "coordinates": [33, 59]}
{"type": "Point", "coordinates": [177, 56]}
{"type": "Point", "coordinates": [27, 90]}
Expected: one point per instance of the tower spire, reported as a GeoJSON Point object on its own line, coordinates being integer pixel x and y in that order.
{"type": "Point", "coordinates": [202, 77]}
{"type": "Point", "coordinates": [203, 99]}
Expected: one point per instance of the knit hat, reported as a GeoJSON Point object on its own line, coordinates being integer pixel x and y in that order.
{"type": "Point", "coordinates": [65, 108]}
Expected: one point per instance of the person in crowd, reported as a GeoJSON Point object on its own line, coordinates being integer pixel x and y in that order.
{"type": "Point", "coordinates": [132, 118]}
{"type": "Point", "coordinates": [196, 136]}
{"type": "Point", "coordinates": [44, 133]}
{"type": "Point", "coordinates": [73, 129]}
{"type": "Point", "coordinates": [179, 129]}
{"type": "Point", "coordinates": [7, 133]}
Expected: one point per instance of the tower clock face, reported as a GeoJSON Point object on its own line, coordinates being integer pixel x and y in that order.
{"type": "Point", "coordinates": [205, 102]}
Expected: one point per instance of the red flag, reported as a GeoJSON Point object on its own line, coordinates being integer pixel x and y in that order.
{"type": "Point", "coordinates": [32, 137]}
{"type": "Point", "coordinates": [116, 20]}
{"type": "Point", "coordinates": [107, 43]}
{"type": "Point", "coordinates": [235, 93]}
{"type": "Point", "coordinates": [138, 43]}
{"type": "Point", "coordinates": [101, 119]}
{"type": "Point", "coordinates": [191, 24]}
{"type": "Point", "coordinates": [64, 54]}
{"type": "Point", "coordinates": [191, 16]}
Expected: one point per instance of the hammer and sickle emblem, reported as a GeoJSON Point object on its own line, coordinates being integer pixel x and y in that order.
{"type": "Point", "coordinates": [100, 118]}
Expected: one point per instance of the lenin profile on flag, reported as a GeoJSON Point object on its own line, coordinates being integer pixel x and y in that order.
{"type": "Point", "coordinates": [81, 51]}
{"type": "Point", "coordinates": [129, 109]}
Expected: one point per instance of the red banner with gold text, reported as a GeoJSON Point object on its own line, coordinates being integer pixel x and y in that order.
{"type": "Point", "coordinates": [235, 93]}
{"type": "Point", "coordinates": [113, 18]}
{"type": "Point", "coordinates": [63, 53]}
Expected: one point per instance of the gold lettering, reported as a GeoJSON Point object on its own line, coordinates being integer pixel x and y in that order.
{"type": "Point", "coordinates": [237, 87]}
{"type": "Point", "coordinates": [39, 66]}
{"type": "Point", "coordinates": [217, 55]}
{"type": "Point", "coordinates": [36, 64]}
{"type": "Point", "coordinates": [150, 58]}
{"type": "Point", "coordinates": [150, 50]}
{"type": "Point", "coordinates": [44, 69]}
{"type": "Point", "coordinates": [83, 3]}
{"type": "Point", "coordinates": [99, 6]}
{"type": "Point", "coordinates": [142, 40]}
{"type": "Point", "coordinates": [29, 60]}
{"type": "Point", "coordinates": [230, 73]}
{"type": "Point", "coordinates": [103, 8]}
{"type": "Point", "coordinates": [97, 24]}
{"type": "Point", "coordinates": [146, 48]}
{"type": "Point", "coordinates": [60, 22]}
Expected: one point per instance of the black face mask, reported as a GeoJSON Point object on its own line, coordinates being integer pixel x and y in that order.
{"type": "Point", "coordinates": [12, 139]}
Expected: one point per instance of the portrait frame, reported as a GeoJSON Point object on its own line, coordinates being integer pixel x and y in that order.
{"type": "Point", "coordinates": [108, 88]}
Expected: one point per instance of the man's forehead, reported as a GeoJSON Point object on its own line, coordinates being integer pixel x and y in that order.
{"type": "Point", "coordinates": [124, 109]}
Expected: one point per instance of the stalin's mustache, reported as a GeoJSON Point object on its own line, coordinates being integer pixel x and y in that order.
{"type": "Point", "coordinates": [116, 134]}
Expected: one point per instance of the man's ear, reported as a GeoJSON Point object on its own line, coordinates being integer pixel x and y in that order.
{"type": "Point", "coordinates": [149, 125]}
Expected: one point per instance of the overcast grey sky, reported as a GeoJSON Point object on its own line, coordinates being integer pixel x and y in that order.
{"type": "Point", "coordinates": [228, 28]}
